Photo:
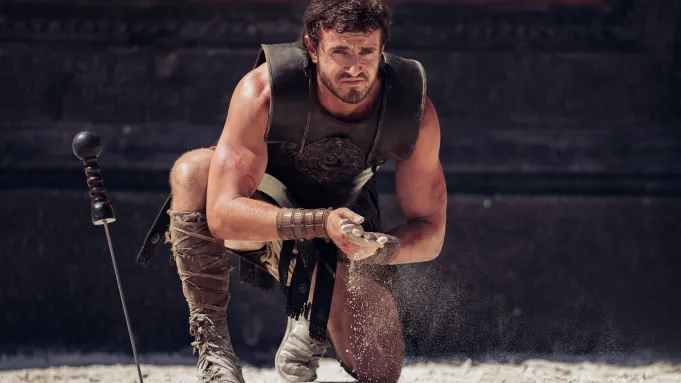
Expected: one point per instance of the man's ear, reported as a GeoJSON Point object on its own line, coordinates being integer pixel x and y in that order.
{"type": "Point", "coordinates": [310, 48]}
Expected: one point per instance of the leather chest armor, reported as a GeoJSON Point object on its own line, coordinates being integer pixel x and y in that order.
{"type": "Point", "coordinates": [325, 162]}
{"type": "Point", "coordinates": [322, 161]}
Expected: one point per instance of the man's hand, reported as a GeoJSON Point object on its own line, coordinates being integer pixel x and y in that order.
{"type": "Point", "coordinates": [344, 228]}
{"type": "Point", "coordinates": [382, 255]}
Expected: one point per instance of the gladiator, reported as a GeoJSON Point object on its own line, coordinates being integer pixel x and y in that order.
{"type": "Point", "coordinates": [289, 192]}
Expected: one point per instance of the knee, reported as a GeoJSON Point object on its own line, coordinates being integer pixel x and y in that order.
{"type": "Point", "coordinates": [376, 373]}
{"type": "Point", "coordinates": [189, 180]}
{"type": "Point", "coordinates": [382, 365]}
{"type": "Point", "coordinates": [373, 355]}
{"type": "Point", "coordinates": [190, 171]}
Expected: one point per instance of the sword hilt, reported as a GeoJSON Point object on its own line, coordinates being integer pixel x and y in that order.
{"type": "Point", "coordinates": [87, 147]}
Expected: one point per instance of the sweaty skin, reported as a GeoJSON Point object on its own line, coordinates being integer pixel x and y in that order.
{"type": "Point", "coordinates": [238, 165]}
{"type": "Point", "coordinates": [347, 73]}
{"type": "Point", "coordinates": [422, 194]}
{"type": "Point", "coordinates": [364, 323]}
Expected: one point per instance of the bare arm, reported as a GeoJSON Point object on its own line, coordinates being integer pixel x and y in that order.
{"type": "Point", "coordinates": [422, 193]}
{"type": "Point", "coordinates": [238, 166]}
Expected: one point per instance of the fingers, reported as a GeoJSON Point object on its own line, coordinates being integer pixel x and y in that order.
{"type": "Point", "coordinates": [352, 216]}
{"type": "Point", "coordinates": [365, 240]}
{"type": "Point", "coordinates": [348, 227]}
{"type": "Point", "coordinates": [355, 234]}
{"type": "Point", "coordinates": [351, 237]}
{"type": "Point", "coordinates": [374, 241]}
{"type": "Point", "coordinates": [382, 240]}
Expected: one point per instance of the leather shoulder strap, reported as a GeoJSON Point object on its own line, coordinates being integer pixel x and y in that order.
{"type": "Point", "coordinates": [403, 108]}
{"type": "Point", "coordinates": [289, 87]}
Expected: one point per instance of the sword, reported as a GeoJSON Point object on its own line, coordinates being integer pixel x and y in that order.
{"type": "Point", "coordinates": [87, 147]}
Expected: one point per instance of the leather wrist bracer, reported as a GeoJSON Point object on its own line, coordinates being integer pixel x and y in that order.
{"type": "Point", "coordinates": [302, 223]}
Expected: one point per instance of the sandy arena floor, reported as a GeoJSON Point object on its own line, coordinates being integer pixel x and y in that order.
{"type": "Point", "coordinates": [172, 370]}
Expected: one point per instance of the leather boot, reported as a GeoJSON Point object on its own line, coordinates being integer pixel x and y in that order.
{"type": "Point", "coordinates": [203, 265]}
{"type": "Point", "coordinates": [298, 356]}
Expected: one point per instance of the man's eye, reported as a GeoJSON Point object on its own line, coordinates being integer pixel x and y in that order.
{"type": "Point", "coordinates": [340, 51]}
{"type": "Point", "coordinates": [366, 52]}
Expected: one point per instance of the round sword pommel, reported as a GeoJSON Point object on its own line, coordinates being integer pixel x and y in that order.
{"type": "Point", "coordinates": [86, 145]}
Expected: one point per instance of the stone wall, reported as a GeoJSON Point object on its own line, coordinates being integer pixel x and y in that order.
{"type": "Point", "coordinates": [561, 146]}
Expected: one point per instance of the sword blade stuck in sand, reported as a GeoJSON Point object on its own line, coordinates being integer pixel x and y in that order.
{"type": "Point", "coordinates": [87, 147]}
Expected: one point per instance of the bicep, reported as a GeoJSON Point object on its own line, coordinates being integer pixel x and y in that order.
{"type": "Point", "coordinates": [419, 180]}
{"type": "Point", "coordinates": [240, 157]}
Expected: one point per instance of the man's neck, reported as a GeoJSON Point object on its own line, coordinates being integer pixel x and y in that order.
{"type": "Point", "coordinates": [350, 112]}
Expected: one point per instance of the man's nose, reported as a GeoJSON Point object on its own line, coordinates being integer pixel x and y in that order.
{"type": "Point", "coordinates": [354, 70]}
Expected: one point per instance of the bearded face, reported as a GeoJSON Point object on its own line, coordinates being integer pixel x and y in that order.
{"type": "Point", "coordinates": [347, 63]}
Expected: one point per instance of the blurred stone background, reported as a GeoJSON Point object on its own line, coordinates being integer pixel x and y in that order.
{"type": "Point", "coordinates": [561, 129]}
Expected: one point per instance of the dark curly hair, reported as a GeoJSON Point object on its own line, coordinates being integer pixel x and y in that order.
{"type": "Point", "coordinates": [345, 16]}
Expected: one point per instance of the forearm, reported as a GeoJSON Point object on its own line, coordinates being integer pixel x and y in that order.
{"type": "Point", "coordinates": [421, 240]}
{"type": "Point", "coordinates": [243, 219]}
{"type": "Point", "coordinates": [249, 219]}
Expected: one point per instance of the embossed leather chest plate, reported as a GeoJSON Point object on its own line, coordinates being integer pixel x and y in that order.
{"type": "Point", "coordinates": [331, 160]}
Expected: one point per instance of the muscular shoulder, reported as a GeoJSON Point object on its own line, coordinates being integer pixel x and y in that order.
{"type": "Point", "coordinates": [430, 122]}
{"type": "Point", "coordinates": [254, 87]}
{"type": "Point", "coordinates": [248, 113]}
{"type": "Point", "coordinates": [429, 134]}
